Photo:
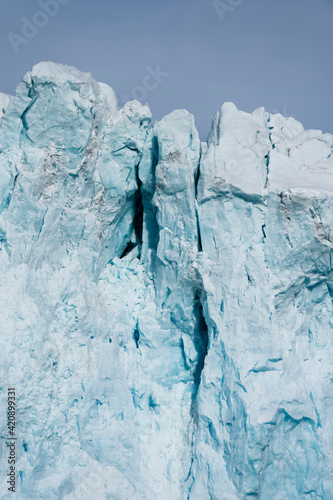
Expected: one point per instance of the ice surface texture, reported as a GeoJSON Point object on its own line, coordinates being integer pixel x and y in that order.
{"type": "Point", "coordinates": [165, 304]}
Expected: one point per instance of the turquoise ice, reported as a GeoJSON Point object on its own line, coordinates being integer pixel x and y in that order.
{"type": "Point", "coordinates": [165, 304]}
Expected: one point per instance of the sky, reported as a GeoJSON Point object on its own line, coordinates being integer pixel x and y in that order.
{"type": "Point", "coordinates": [192, 54]}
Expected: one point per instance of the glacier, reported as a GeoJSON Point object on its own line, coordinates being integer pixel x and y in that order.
{"type": "Point", "coordinates": [165, 303]}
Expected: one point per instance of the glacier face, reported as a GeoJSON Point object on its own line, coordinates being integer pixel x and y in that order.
{"type": "Point", "coordinates": [165, 304]}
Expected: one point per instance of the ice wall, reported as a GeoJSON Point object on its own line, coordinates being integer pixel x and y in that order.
{"type": "Point", "coordinates": [165, 304]}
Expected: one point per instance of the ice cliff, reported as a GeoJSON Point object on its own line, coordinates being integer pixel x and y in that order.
{"type": "Point", "coordinates": [165, 304]}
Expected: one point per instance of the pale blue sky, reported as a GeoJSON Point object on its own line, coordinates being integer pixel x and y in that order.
{"type": "Point", "coordinates": [272, 53]}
